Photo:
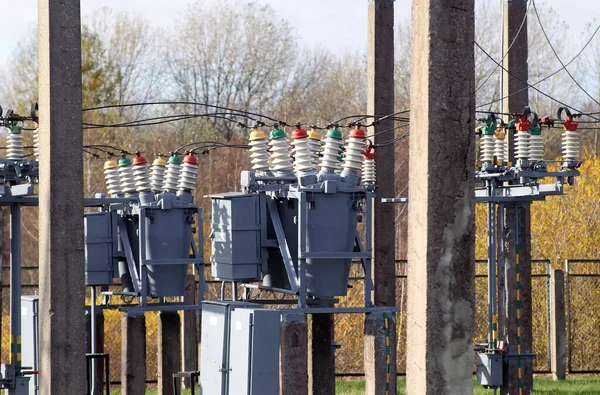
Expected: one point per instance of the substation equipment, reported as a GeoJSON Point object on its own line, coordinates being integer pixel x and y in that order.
{"type": "Point", "coordinates": [142, 234]}
{"type": "Point", "coordinates": [502, 183]}
{"type": "Point", "coordinates": [292, 230]}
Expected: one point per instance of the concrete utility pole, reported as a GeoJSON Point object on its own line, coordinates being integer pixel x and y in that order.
{"type": "Point", "coordinates": [516, 218]}
{"type": "Point", "coordinates": [379, 340]}
{"type": "Point", "coordinates": [62, 289]}
{"type": "Point", "coordinates": [441, 241]}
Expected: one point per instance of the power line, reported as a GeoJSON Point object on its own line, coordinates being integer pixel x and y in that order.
{"type": "Point", "coordinates": [556, 54]}
{"type": "Point", "coordinates": [549, 76]}
{"type": "Point", "coordinates": [508, 50]}
{"type": "Point", "coordinates": [529, 85]}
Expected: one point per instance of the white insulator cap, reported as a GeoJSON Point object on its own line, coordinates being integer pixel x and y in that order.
{"type": "Point", "coordinates": [111, 177]}
{"type": "Point", "coordinates": [522, 145]}
{"type": "Point", "coordinates": [368, 167]}
{"type": "Point", "coordinates": [486, 146]}
{"type": "Point", "coordinates": [126, 176]}
{"type": "Point", "coordinates": [157, 174]}
{"type": "Point", "coordinates": [303, 160]}
{"type": "Point", "coordinates": [172, 174]}
{"type": "Point", "coordinates": [281, 162]}
{"type": "Point", "coordinates": [536, 147]}
{"type": "Point", "coordinates": [36, 144]}
{"type": "Point", "coordinates": [189, 174]}
{"type": "Point", "coordinates": [141, 174]}
{"type": "Point", "coordinates": [331, 152]}
{"type": "Point", "coordinates": [259, 151]}
{"type": "Point", "coordinates": [500, 146]}
{"type": "Point", "coordinates": [353, 157]}
{"type": "Point", "coordinates": [570, 145]}
{"type": "Point", "coordinates": [14, 146]}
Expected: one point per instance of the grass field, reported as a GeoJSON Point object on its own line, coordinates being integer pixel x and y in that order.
{"type": "Point", "coordinates": [575, 385]}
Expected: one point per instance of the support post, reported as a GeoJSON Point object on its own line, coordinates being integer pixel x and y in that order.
{"type": "Point", "coordinates": [293, 368]}
{"type": "Point", "coordinates": [321, 360]}
{"type": "Point", "coordinates": [99, 365]}
{"type": "Point", "coordinates": [169, 354]}
{"type": "Point", "coordinates": [441, 256]}
{"type": "Point", "coordinates": [517, 217]}
{"type": "Point", "coordinates": [558, 348]}
{"type": "Point", "coordinates": [189, 354]}
{"type": "Point", "coordinates": [380, 102]}
{"type": "Point", "coordinates": [133, 354]}
{"type": "Point", "coordinates": [61, 244]}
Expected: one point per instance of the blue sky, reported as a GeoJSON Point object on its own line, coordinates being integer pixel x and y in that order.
{"type": "Point", "coordinates": [340, 25]}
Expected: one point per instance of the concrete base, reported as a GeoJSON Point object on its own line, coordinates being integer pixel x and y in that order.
{"type": "Point", "coordinates": [293, 370]}
{"type": "Point", "coordinates": [169, 350]}
{"type": "Point", "coordinates": [380, 354]}
{"type": "Point", "coordinates": [321, 359]}
{"type": "Point", "coordinates": [133, 354]}
{"type": "Point", "coordinates": [99, 387]}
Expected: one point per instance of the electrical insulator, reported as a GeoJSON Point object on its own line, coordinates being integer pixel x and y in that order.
{"type": "Point", "coordinates": [536, 142]}
{"type": "Point", "coordinates": [172, 174]}
{"type": "Point", "coordinates": [259, 151]}
{"type": "Point", "coordinates": [486, 145]}
{"type": "Point", "coordinates": [14, 143]}
{"type": "Point", "coordinates": [281, 163]}
{"type": "Point", "coordinates": [141, 174]}
{"type": "Point", "coordinates": [331, 151]}
{"type": "Point", "coordinates": [303, 161]}
{"type": "Point", "coordinates": [157, 174]}
{"type": "Point", "coordinates": [570, 137]}
{"type": "Point", "coordinates": [36, 143]}
{"type": "Point", "coordinates": [500, 144]}
{"type": "Point", "coordinates": [314, 145]}
{"type": "Point", "coordinates": [189, 174]}
{"type": "Point", "coordinates": [355, 145]}
{"type": "Point", "coordinates": [368, 167]}
{"type": "Point", "coordinates": [111, 177]}
{"type": "Point", "coordinates": [522, 138]}
{"type": "Point", "coordinates": [126, 176]}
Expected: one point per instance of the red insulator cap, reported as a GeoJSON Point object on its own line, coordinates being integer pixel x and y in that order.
{"type": "Point", "coordinates": [190, 158]}
{"type": "Point", "coordinates": [570, 125]}
{"type": "Point", "coordinates": [523, 124]}
{"type": "Point", "coordinates": [299, 133]}
{"type": "Point", "coordinates": [139, 160]}
{"type": "Point", "coordinates": [358, 133]}
{"type": "Point", "coordinates": [369, 153]}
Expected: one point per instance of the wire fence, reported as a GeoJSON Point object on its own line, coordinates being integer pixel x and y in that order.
{"type": "Point", "coordinates": [582, 299]}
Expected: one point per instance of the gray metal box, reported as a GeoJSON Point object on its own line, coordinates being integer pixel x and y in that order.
{"type": "Point", "coordinates": [489, 369]}
{"type": "Point", "coordinates": [236, 237]}
{"type": "Point", "coordinates": [30, 334]}
{"type": "Point", "coordinates": [98, 248]}
{"type": "Point", "coordinates": [254, 352]}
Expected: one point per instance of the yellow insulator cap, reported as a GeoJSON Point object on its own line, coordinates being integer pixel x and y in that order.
{"type": "Point", "coordinates": [159, 161]}
{"type": "Point", "coordinates": [257, 134]}
{"type": "Point", "coordinates": [500, 134]}
{"type": "Point", "coordinates": [109, 164]}
{"type": "Point", "coordinates": [313, 134]}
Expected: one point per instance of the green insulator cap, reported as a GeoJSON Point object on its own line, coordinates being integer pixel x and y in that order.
{"type": "Point", "coordinates": [489, 129]}
{"type": "Point", "coordinates": [175, 159]}
{"type": "Point", "coordinates": [124, 162]}
{"type": "Point", "coordinates": [334, 134]}
{"type": "Point", "coordinates": [511, 124]}
{"type": "Point", "coordinates": [15, 129]}
{"type": "Point", "coordinates": [535, 129]}
{"type": "Point", "coordinates": [277, 134]}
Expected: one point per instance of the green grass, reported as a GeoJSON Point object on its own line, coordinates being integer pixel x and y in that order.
{"type": "Point", "coordinates": [574, 385]}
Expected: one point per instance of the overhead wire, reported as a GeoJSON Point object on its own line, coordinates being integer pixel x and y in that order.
{"type": "Point", "coordinates": [549, 76]}
{"type": "Point", "coordinates": [531, 86]}
{"type": "Point", "coordinates": [564, 67]}
{"type": "Point", "coordinates": [508, 50]}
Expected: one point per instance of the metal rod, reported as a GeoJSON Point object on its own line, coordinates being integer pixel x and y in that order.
{"type": "Point", "coordinates": [93, 336]}
{"type": "Point", "coordinates": [492, 308]}
{"type": "Point", "coordinates": [15, 284]}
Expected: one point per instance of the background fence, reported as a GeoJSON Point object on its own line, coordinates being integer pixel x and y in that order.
{"type": "Point", "coordinates": [582, 298]}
